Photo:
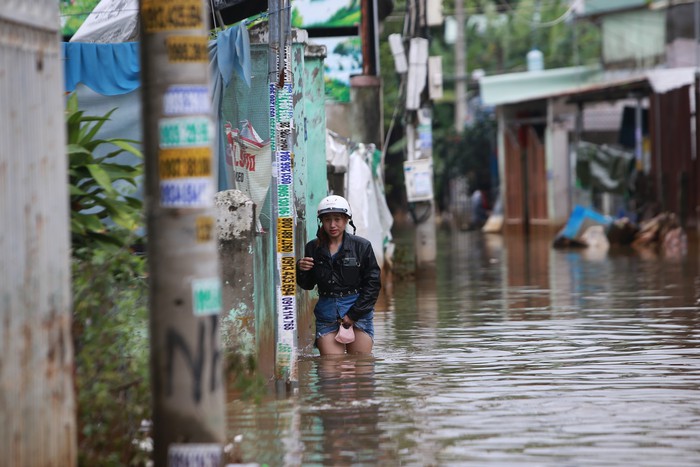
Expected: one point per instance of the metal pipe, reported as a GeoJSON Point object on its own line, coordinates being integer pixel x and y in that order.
{"type": "Point", "coordinates": [657, 147]}
{"type": "Point", "coordinates": [460, 70]}
{"type": "Point", "coordinates": [273, 40]}
{"type": "Point", "coordinates": [696, 160]}
{"type": "Point", "coordinates": [577, 146]}
{"type": "Point", "coordinates": [366, 33]}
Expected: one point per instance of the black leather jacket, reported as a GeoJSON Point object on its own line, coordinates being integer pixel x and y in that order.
{"type": "Point", "coordinates": [353, 270]}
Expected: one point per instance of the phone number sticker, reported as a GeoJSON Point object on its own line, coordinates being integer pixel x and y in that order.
{"type": "Point", "coordinates": [187, 193]}
{"type": "Point", "coordinates": [185, 132]}
{"type": "Point", "coordinates": [184, 163]}
{"type": "Point", "coordinates": [167, 15]}
{"type": "Point", "coordinates": [186, 99]}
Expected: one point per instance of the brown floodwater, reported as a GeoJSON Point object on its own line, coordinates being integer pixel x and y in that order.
{"type": "Point", "coordinates": [511, 353]}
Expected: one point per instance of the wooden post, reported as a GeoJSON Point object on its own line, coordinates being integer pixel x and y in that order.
{"type": "Point", "coordinates": [185, 279]}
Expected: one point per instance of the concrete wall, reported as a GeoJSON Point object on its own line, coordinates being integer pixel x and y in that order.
{"type": "Point", "coordinates": [310, 185]}
{"type": "Point", "coordinates": [559, 163]}
{"type": "Point", "coordinates": [235, 232]}
{"type": "Point", "coordinates": [635, 38]}
{"type": "Point", "coordinates": [339, 118]}
{"type": "Point", "coordinates": [37, 393]}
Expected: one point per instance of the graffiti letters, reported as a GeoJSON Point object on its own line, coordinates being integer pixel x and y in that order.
{"type": "Point", "coordinates": [195, 361]}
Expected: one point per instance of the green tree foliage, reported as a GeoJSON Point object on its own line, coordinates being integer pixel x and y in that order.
{"type": "Point", "coordinates": [110, 318]}
{"type": "Point", "coordinates": [499, 39]}
{"type": "Point", "coordinates": [467, 154]}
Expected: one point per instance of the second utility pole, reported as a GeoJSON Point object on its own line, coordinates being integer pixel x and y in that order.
{"type": "Point", "coordinates": [418, 168]}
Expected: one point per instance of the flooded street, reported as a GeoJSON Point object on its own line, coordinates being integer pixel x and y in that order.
{"type": "Point", "coordinates": [513, 354]}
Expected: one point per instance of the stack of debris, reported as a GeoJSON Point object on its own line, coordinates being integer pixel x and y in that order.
{"type": "Point", "coordinates": [588, 229]}
{"type": "Point", "coordinates": [662, 234]}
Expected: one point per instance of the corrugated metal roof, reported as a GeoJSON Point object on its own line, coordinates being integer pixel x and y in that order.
{"type": "Point", "coordinates": [583, 82]}
{"type": "Point", "coordinates": [596, 7]}
{"type": "Point", "coordinates": [665, 80]}
{"type": "Point", "coordinates": [532, 85]}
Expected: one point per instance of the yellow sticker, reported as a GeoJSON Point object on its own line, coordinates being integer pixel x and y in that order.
{"type": "Point", "coordinates": [204, 226]}
{"type": "Point", "coordinates": [183, 49]}
{"type": "Point", "coordinates": [285, 235]}
{"type": "Point", "coordinates": [184, 162]}
{"type": "Point", "coordinates": [289, 276]}
{"type": "Point", "coordinates": [168, 15]}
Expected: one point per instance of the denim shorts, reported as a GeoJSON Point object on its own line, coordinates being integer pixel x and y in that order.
{"type": "Point", "coordinates": [329, 310]}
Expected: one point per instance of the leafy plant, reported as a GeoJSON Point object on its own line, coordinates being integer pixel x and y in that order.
{"type": "Point", "coordinates": [110, 317]}
{"type": "Point", "coordinates": [104, 213]}
{"type": "Point", "coordinates": [110, 314]}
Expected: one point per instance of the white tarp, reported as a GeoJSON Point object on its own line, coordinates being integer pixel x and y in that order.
{"type": "Point", "coordinates": [370, 213]}
{"type": "Point", "coordinates": [109, 22]}
{"type": "Point", "coordinates": [336, 153]}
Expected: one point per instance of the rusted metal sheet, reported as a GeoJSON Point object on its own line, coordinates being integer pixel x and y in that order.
{"type": "Point", "coordinates": [672, 167]}
{"type": "Point", "coordinates": [525, 177]}
{"type": "Point", "coordinates": [513, 186]}
{"type": "Point", "coordinates": [36, 358]}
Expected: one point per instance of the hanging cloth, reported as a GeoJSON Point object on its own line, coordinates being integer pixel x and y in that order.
{"type": "Point", "coordinates": [108, 69]}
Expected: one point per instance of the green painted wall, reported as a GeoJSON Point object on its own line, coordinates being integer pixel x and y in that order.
{"type": "Point", "coordinates": [315, 134]}
{"type": "Point", "coordinates": [310, 182]}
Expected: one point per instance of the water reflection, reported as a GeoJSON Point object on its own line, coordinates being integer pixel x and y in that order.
{"type": "Point", "coordinates": [511, 353]}
{"type": "Point", "coordinates": [343, 412]}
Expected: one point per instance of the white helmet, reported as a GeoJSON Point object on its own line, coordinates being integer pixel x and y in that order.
{"type": "Point", "coordinates": [334, 203]}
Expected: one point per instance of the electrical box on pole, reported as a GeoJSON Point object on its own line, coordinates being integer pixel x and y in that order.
{"type": "Point", "coordinates": [417, 72]}
{"type": "Point", "coordinates": [397, 51]}
{"type": "Point", "coordinates": [435, 77]}
{"type": "Point", "coordinates": [418, 176]}
{"type": "Point", "coordinates": [184, 273]}
{"type": "Point", "coordinates": [434, 12]}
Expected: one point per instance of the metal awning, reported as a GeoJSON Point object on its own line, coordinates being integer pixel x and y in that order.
{"type": "Point", "coordinates": [582, 84]}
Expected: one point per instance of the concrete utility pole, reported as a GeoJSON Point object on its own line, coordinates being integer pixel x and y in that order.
{"type": "Point", "coordinates": [418, 167]}
{"type": "Point", "coordinates": [37, 393]}
{"type": "Point", "coordinates": [460, 69]}
{"type": "Point", "coordinates": [185, 279]}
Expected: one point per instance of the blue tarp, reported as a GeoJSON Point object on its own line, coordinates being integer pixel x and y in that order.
{"type": "Point", "coordinates": [579, 217]}
{"type": "Point", "coordinates": [114, 69]}
{"type": "Point", "coordinates": [108, 69]}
